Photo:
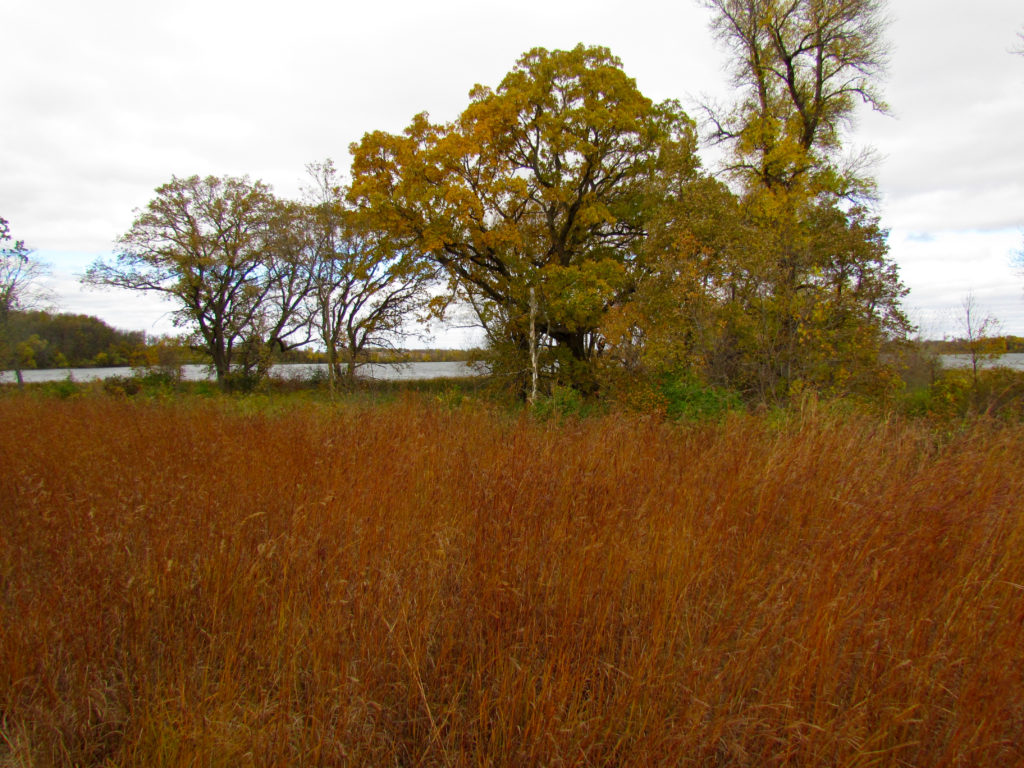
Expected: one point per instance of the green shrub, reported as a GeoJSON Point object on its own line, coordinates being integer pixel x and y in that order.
{"type": "Point", "coordinates": [62, 389]}
{"type": "Point", "coordinates": [562, 402]}
{"type": "Point", "coordinates": [686, 397]}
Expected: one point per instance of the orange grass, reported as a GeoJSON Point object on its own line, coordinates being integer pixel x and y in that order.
{"type": "Point", "coordinates": [192, 584]}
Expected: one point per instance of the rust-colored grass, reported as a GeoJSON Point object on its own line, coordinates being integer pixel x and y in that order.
{"type": "Point", "coordinates": [195, 584]}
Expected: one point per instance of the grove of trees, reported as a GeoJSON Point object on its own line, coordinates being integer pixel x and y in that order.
{"type": "Point", "coordinates": [57, 340]}
{"type": "Point", "coordinates": [571, 216]}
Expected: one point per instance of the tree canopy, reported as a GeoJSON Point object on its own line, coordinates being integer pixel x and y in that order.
{"type": "Point", "coordinates": [818, 294]}
{"type": "Point", "coordinates": [570, 214]}
{"type": "Point", "coordinates": [221, 249]}
{"type": "Point", "coordinates": [364, 287]}
{"type": "Point", "coordinates": [800, 68]}
{"type": "Point", "coordinates": [546, 183]}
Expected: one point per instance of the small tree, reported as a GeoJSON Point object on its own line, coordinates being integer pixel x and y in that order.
{"type": "Point", "coordinates": [19, 291]}
{"type": "Point", "coordinates": [980, 333]}
{"type": "Point", "coordinates": [364, 288]}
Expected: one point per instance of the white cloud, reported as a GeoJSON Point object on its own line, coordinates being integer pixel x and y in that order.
{"type": "Point", "coordinates": [104, 101]}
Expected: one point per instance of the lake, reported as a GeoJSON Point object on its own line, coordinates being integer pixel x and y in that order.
{"type": "Point", "coordinates": [292, 371]}
{"type": "Point", "coordinates": [1013, 360]}
{"type": "Point", "coordinates": [379, 371]}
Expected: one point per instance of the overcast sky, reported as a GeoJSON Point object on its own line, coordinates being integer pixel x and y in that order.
{"type": "Point", "coordinates": [104, 101]}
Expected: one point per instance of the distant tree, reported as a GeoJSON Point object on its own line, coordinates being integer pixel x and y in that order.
{"type": "Point", "coordinates": [20, 290]}
{"type": "Point", "coordinates": [78, 340]}
{"type": "Point", "coordinates": [980, 332]}
{"type": "Point", "coordinates": [223, 249]}
{"type": "Point", "coordinates": [365, 288]}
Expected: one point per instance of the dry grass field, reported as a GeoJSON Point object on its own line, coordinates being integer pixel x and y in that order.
{"type": "Point", "coordinates": [206, 584]}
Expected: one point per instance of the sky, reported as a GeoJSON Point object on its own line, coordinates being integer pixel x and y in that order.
{"type": "Point", "coordinates": [102, 102]}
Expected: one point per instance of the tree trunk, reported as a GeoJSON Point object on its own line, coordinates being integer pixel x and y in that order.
{"type": "Point", "coordinates": [533, 345]}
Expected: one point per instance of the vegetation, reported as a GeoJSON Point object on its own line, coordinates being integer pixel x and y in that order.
{"type": "Point", "coordinates": [363, 285]}
{"type": "Point", "coordinates": [221, 582]}
{"type": "Point", "coordinates": [815, 295]}
{"type": "Point", "coordinates": [20, 290]}
{"type": "Point", "coordinates": [536, 201]}
{"type": "Point", "coordinates": [570, 216]}
{"type": "Point", "coordinates": [741, 521]}
{"type": "Point", "coordinates": [224, 250]}
{"type": "Point", "coordinates": [60, 340]}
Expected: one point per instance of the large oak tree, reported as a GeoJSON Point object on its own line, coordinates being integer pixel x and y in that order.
{"type": "Point", "coordinates": [543, 187]}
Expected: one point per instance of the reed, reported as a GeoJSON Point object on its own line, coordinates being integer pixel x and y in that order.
{"type": "Point", "coordinates": [194, 583]}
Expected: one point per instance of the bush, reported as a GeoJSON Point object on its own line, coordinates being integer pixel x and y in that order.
{"type": "Point", "coordinates": [561, 403]}
{"type": "Point", "coordinates": [687, 397]}
{"type": "Point", "coordinates": [159, 376]}
{"type": "Point", "coordinates": [996, 392]}
{"type": "Point", "coordinates": [122, 385]}
{"type": "Point", "coordinates": [62, 389]}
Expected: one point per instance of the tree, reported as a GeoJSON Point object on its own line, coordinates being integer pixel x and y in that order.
{"type": "Point", "coordinates": [541, 188]}
{"type": "Point", "coordinates": [224, 252]}
{"type": "Point", "coordinates": [818, 294]}
{"type": "Point", "coordinates": [800, 67]}
{"type": "Point", "coordinates": [980, 334]}
{"type": "Point", "coordinates": [19, 291]}
{"type": "Point", "coordinates": [364, 287]}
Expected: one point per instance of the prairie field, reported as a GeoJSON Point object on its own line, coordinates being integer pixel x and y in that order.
{"type": "Point", "coordinates": [202, 583]}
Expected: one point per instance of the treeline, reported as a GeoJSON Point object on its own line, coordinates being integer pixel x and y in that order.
{"type": "Point", "coordinates": [65, 340]}
{"type": "Point", "coordinates": [61, 340]}
{"type": "Point", "coordinates": [995, 345]}
{"type": "Point", "coordinates": [569, 217]}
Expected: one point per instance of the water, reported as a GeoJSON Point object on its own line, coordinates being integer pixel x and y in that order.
{"type": "Point", "coordinates": [377, 371]}
{"type": "Point", "coordinates": [292, 371]}
{"type": "Point", "coordinates": [1014, 360]}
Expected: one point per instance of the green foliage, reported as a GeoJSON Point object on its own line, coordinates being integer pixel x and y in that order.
{"type": "Point", "coordinates": [688, 398]}
{"type": "Point", "coordinates": [450, 397]}
{"type": "Point", "coordinates": [63, 389]}
{"type": "Point", "coordinates": [994, 392]}
{"type": "Point", "coordinates": [58, 340]}
{"type": "Point", "coordinates": [563, 402]}
{"type": "Point", "coordinates": [20, 290]}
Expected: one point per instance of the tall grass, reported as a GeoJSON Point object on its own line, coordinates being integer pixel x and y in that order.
{"type": "Point", "coordinates": [417, 585]}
